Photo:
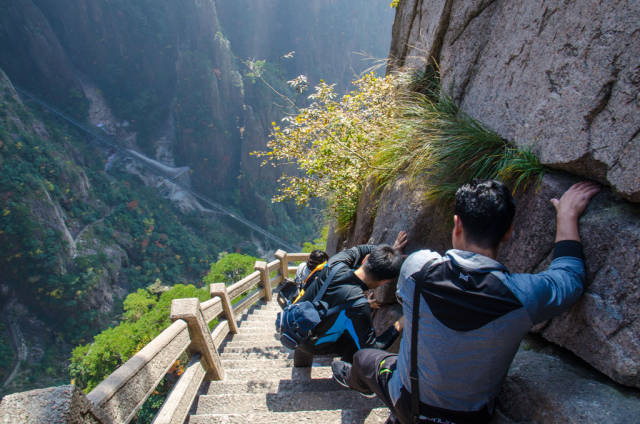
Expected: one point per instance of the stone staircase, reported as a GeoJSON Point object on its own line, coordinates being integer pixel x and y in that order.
{"type": "Point", "coordinates": [262, 386]}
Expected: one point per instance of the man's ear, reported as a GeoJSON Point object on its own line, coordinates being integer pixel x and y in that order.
{"type": "Point", "coordinates": [365, 259]}
{"type": "Point", "coordinates": [508, 234]}
{"type": "Point", "coordinates": [457, 225]}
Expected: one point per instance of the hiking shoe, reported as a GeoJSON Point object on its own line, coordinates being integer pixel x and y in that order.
{"type": "Point", "coordinates": [341, 371]}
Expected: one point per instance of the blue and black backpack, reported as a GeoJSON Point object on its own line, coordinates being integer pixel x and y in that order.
{"type": "Point", "coordinates": [296, 322]}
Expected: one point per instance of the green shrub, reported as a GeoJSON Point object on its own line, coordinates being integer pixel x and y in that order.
{"type": "Point", "coordinates": [146, 315]}
{"type": "Point", "coordinates": [387, 127]}
{"type": "Point", "coordinates": [319, 243]}
{"type": "Point", "coordinates": [331, 143]}
{"type": "Point", "coordinates": [230, 268]}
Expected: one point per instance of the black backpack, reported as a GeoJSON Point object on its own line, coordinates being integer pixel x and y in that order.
{"type": "Point", "coordinates": [298, 320]}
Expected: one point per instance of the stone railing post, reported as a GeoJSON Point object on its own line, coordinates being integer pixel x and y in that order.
{"type": "Point", "coordinates": [201, 340]}
{"type": "Point", "coordinates": [220, 290]}
{"type": "Point", "coordinates": [281, 255]}
{"type": "Point", "coordinates": [264, 276]}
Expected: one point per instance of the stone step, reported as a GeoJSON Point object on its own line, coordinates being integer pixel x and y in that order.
{"type": "Point", "coordinates": [258, 322]}
{"type": "Point", "coordinates": [274, 385]}
{"type": "Point", "coordinates": [264, 312]}
{"type": "Point", "coordinates": [293, 374]}
{"type": "Point", "coordinates": [229, 363]}
{"type": "Point", "coordinates": [269, 342]}
{"type": "Point", "coordinates": [346, 416]}
{"type": "Point", "coordinates": [257, 354]}
{"type": "Point", "coordinates": [256, 338]}
{"type": "Point", "coordinates": [257, 349]}
{"type": "Point", "coordinates": [254, 331]}
{"type": "Point", "coordinates": [256, 326]}
{"type": "Point", "coordinates": [252, 328]}
{"type": "Point", "coordinates": [282, 402]}
{"type": "Point", "coordinates": [263, 307]}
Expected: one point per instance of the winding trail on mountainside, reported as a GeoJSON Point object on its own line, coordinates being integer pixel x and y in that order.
{"type": "Point", "coordinates": [158, 169]}
{"type": "Point", "coordinates": [17, 343]}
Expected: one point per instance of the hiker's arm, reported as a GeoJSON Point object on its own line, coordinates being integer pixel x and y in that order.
{"type": "Point", "coordinates": [386, 339]}
{"type": "Point", "coordinates": [551, 292]}
{"type": "Point", "coordinates": [352, 257]}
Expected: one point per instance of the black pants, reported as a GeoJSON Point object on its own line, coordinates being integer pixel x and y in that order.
{"type": "Point", "coordinates": [371, 371]}
{"type": "Point", "coordinates": [344, 348]}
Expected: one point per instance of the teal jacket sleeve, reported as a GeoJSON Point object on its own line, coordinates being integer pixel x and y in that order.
{"type": "Point", "coordinates": [553, 291]}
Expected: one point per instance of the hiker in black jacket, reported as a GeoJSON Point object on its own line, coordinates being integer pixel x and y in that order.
{"type": "Point", "coordinates": [344, 333]}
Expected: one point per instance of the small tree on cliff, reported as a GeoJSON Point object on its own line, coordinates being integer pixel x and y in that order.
{"type": "Point", "coordinates": [332, 142]}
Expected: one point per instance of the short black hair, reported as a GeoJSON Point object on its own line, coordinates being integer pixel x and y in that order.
{"type": "Point", "coordinates": [316, 258]}
{"type": "Point", "coordinates": [486, 209]}
{"type": "Point", "coordinates": [383, 263]}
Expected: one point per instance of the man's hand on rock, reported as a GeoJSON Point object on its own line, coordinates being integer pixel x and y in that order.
{"type": "Point", "coordinates": [373, 303]}
{"type": "Point", "coordinates": [401, 242]}
{"type": "Point", "coordinates": [399, 325]}
{"type": "Point", "coordinates": [569, 208]}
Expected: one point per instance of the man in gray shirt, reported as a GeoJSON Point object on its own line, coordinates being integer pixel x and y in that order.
{"type": "Point", "coordinates": [472, 312]}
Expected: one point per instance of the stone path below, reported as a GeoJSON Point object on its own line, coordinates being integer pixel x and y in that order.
{"type": "Point", "coordinates": [18, 343]}
{"type": "Point", "coordinates": [262, 386]}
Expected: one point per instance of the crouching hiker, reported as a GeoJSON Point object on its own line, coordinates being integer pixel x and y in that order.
{"type": "Point", "coordinates": [316, 258]}
{"type": "Point", "coordinates": [466, 314]}
{"type": "Point", "coordinates": [345, 323]}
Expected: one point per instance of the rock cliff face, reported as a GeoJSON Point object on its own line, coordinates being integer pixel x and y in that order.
{"type": "Point", "coordinates": [559, 78]}
{"type": "Point", "coordinates": [173, 73]}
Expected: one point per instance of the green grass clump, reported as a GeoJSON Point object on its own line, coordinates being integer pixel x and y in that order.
{"type": "Point", "coordinates": [436, 139]}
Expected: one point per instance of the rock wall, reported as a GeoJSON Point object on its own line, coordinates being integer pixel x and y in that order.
{"type": "Point", "coordinates": [602, 329]}
{"type": "Point", "coordinates": [560, 77]}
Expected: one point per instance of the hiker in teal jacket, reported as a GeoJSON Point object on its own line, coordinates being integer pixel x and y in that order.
{"type": "Point", "coordinates": [473, 312]}
{"type": "Point", "coordinates": [367, 267]}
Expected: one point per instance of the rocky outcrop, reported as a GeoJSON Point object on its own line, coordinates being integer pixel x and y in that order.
{"type": "Point", "coordinates": [169, 73]}
{"type": "Point", "coordinates": [33, 56]}
{"type": "Point", "coordinates": [544, 386]}
{"type": "Point", "coordinates": [603, 327]}
{"type": "Point", "coordinates": [55, 405]}
{"type": "Point", "coordinates": [559, 77]}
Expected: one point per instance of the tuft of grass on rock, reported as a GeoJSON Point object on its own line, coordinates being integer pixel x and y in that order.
{"type": "Point", "coordinates": [436, 139]}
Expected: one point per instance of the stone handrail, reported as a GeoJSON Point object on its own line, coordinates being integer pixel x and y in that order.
{"type": "Point", "coordinates": [121, 394]}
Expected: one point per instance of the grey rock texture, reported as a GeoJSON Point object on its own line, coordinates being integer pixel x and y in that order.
{"type": "Point", "coordinates": [559, 77]}
{"type": "Point", "coordinates": [546, 388]}
{"type": "Point", "coordinates": [402, 207]}
{"type": "Point", "coordinates": [603, 327]}
{"type": "Point", "coordinates": [32, 54]}
{"type": "Point", "coordinates": [54, 405]}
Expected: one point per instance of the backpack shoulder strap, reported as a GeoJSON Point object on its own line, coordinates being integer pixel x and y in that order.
{"type": "Point", "coordinates": [328, 280]}
{"type": "Point", "coordinates": [313, 272]}
{"type": "Point", "coordinates": [415, 323]}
